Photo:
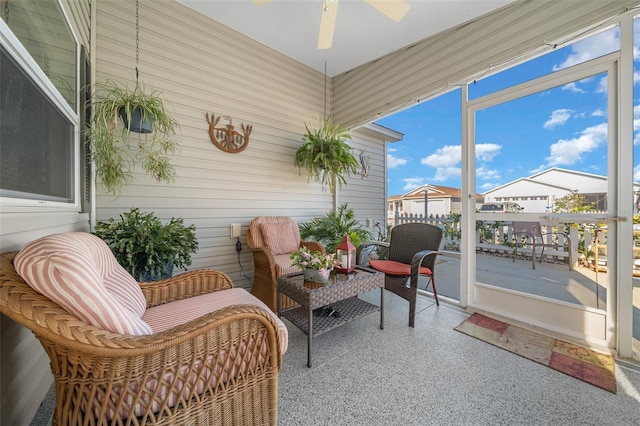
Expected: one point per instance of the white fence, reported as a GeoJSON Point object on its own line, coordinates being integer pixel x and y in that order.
{"type": "Point", "coordinates": [497, 236]}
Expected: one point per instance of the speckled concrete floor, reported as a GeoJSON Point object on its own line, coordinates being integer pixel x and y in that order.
{"type": "Point", "coordinates": [433, 375]}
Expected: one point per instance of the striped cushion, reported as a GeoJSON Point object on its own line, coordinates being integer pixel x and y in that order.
{"type": "Point", "coordinates": [283, 265]}
{"type": "Point", "coordinates": [279, 237]}
{"type": "Point", "coordinates": [164, 317]}
{"type": "Point", "coordinates": [78, 271]}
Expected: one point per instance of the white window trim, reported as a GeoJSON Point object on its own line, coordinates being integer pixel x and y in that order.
{"type": "Point", "coordinates": [15, 48]}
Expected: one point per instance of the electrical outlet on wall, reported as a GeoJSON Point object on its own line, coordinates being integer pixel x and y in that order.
{"type": "Point", "coordinates": [235, 230]}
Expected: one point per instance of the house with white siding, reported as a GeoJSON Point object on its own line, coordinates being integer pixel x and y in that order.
{"type": "Point", "coordinates": [538, 192]}
{"type": "Point", "coordinates": [203, 66]}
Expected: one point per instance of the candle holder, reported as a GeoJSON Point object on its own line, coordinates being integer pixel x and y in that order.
{"type": "Point", "coordinates": [346, 256]}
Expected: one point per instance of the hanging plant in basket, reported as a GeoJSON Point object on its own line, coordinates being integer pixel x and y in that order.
{"type": "Point", "coordinates": [325, 154]}
{"type": "Point", "coordinates": [116, 108]}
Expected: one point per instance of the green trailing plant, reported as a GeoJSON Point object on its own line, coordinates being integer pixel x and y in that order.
{"type": "Point", "coordinates": [109, 138]}
{"type": "Point", "coordinates": [325, 155]}
{"type": "Point", "coordinates": [331, 228]}
{"type": "Point", "coordinates": [145, 246]}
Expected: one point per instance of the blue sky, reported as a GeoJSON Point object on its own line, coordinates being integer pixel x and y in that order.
{"type": "Point", "coordinates": [564, 127]}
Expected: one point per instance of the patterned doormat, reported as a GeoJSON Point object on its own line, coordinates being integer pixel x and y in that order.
{"type": "Point", "coordinates": [585, 364]}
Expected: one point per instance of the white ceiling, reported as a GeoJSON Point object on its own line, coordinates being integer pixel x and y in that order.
{"type": "Point", "coordinates": [362, 34]}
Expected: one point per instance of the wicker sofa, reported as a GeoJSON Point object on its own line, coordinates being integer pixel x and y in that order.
{"type": "Point", "coordinates": [217, 365]}
{"type": "Point", "coordinates": [272, 239]}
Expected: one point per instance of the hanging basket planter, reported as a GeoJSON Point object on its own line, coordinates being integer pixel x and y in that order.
{"type": "Point", "coordinates": [138, 124]}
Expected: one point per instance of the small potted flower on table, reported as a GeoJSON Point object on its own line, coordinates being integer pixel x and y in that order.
{"type": "Point", "coordinates": [315, 266]}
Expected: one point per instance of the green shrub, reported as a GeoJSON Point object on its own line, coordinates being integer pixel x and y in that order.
{"type": "Point", "coordinates": [145, 246]}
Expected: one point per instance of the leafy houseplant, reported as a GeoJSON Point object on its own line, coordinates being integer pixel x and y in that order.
{"type": "Point", "coordinates": [146, 247]}
{"type": "Point", "coordinates": [109, 137]}
{"type": "Point", "coordinates": [330, 229]}
{"type": "Point", "coordinates": [325, 154]}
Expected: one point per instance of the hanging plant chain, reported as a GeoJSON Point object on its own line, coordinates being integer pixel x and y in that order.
{"type": "Point", "coordinates": [137, 39]}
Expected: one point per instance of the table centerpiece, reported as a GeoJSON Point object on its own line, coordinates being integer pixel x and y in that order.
{"type": "Point", "coordinates": [315, 265]}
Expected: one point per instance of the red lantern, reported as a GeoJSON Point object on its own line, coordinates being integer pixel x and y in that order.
{"type": "Point", "coordinates": [346, 256]}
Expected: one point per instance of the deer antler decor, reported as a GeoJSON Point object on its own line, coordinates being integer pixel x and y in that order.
{"type": "Point", "coordinates": [225, 138]}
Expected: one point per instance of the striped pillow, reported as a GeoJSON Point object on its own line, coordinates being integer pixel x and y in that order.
{"type": "Point", "coordinates": [78, 271]}
{"type": "Point", "coordinates": [164, 317]}
{"type": "Point", "coordinates": [279, 237]}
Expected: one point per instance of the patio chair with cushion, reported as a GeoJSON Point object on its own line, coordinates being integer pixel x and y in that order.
{"type": "Point", "coordinates": [533, 235]}
{"type": "Point", "coordinates": [272, 239]}
{"type": "Point", "coordinates": [412, 251]}
{"type": "Point", "coordinates": [188, 349]}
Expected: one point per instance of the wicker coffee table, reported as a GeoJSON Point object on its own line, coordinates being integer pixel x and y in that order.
{"type": "Point", "coordinates": [340, 294]}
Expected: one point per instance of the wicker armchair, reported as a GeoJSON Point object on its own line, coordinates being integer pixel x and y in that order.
{"type": "Point", "coordinates": [221, 368]}
{"type": "Point", "coordinates": [272, 239]}
{"type": "Point", "coordinates": [412, 251]}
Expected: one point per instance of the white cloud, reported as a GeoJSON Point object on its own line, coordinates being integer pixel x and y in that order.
{"type": "Point", "coordinates": [448, 155]}
{"type": "Point", "coordinates": [558, 117]}
{"type": "Point", "coordinates": [569, 151]}
{"type": "Point", "coordinates": [446, 160]}
{"type": "Point", "coordinates": [602, 85]}
{"type": "Point", "coordinates": [413, 183]}
{"type": "Point", "coordinates": [487, 151]}
{"type": "Point", "coordinates": [487, 174]}
{"type": "Point", "coordinates": [487, 186]}
{"type": "Point", "coordinates": [573, 87]}
{"type": "Point", "coordinates": [636, 173]}
{"type": "Point", "coordinates": [599, 113]}
{"type": "Point", "coordinates": [392, 149]}
{"type": "Point", "coordinates": [592, 47]}
{"type": "Point", "coordinates": [393, 161]}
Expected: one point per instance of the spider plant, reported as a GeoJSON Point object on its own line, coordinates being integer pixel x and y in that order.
{"type": "Point", "coordinates": [109, 138]}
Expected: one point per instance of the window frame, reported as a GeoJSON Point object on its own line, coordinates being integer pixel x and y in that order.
{"type": "Point", "coordinates": [23, 58]}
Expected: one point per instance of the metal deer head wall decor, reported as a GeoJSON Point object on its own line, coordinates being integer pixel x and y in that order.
{"type": "Point", "coordinates": [226, 138]}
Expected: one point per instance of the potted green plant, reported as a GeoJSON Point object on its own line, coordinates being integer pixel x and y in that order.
{"type": "Point", "coordinates": [325, 155]}
{"type": "Point", "coordinates": [146, 247]}
{"type": "Point", "coordinates": [116, 107]}
{"type": "Point", "coordinates": [330, 229]}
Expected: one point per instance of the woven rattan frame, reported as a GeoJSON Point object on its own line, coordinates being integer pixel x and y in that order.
{"type": "Point", "coordinates": [265, 275]}
{"type": "Point", "coordinates": [87, 361]}
{"type": "Point", "coordinates": [415, 244]}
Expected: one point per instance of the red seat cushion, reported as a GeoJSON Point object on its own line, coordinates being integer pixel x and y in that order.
{"type": "Point", "coordinates": [391, 267]}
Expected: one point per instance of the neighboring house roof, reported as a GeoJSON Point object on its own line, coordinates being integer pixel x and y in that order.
{"type": "Point", "coordinates": [551, 177]}
{"type": "Point", "coordinates": [522, 180]}
{"type": "Point", "coordinates": [555, 170]}
{"type": "Point", "coordinates": [433, 191]}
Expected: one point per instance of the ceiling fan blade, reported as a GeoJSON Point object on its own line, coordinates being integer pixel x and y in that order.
{"type": "Point", "coordinates": [327, 23]}
{"type": "Point", "coordinates": [393, 9]}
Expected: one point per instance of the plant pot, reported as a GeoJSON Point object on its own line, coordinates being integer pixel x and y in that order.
{"type": "Point", "coordinates": [316, 276]}
{"type": "Point", "coordinates": [138, 125]}
{"type": "Point", "coordinates": [166, 273]}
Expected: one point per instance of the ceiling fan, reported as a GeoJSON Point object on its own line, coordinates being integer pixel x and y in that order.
{"type": "Point", "coordinates": [393, 9]}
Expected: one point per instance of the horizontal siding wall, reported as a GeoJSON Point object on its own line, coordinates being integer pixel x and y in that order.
{"type": "Point", "coordinates": [443, 62]}
{"type": "Point", "coordinates": [367, 195]}
{"type": "Point", "coordinates": [204, 67]}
